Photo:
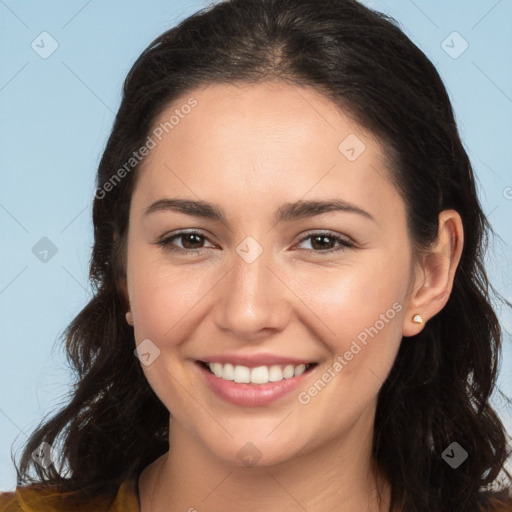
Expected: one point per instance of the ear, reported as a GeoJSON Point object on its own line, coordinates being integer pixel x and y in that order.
{"type": "Point", "coordinates": [129, 318]}
{"type": "Point", "coordinates": [124, 292]}
{"type": "Point", "coordinates": [434, 273]}
{"type": "Point", "coordinates": [122, 287]}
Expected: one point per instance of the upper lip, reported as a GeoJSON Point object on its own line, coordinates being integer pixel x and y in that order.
{"type": "Point", "coordinates": [253, 361]}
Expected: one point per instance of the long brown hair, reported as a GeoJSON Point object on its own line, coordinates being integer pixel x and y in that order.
{"type": "Point", "coordinates": [439, 388]}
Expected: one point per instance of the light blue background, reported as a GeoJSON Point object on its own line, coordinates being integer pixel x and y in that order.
{"type": "Point", "coordinates": [56, 114]}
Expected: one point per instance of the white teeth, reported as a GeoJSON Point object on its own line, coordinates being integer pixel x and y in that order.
{"type": "Point", "coordinates": [300, 370]}
{"type": "Point", "coordinates": [242, 374]}
{"type": "Point", "coordinates": [275, 373]}
{"type": "Point", "coordinates": [216, 368]}
{"type": "Point", "coordinates": [258, 375]}
{"type": "Point", "coordinates": [288, 371]}
{"type": "Point", "coordinates": [228, 372]}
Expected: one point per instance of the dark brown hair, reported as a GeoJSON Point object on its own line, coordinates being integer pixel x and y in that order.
{"type": "Point", "coordinates": [439, 388]}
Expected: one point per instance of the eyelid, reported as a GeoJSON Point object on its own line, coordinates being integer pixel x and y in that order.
{"type": "Point", "coordinates": [165, 240]}
{"type": "Point", "coordinates": [345, 243]}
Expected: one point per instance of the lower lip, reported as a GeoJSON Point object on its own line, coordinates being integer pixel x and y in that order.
{"type": "Point", "coordinates": [252, 395]}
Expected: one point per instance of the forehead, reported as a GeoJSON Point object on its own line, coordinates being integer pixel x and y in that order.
{"type": "Point", "coordinates": [262, 142]}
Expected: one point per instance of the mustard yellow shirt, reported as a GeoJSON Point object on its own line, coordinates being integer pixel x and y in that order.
{"type": "Point", "coordinates": [40, 499]}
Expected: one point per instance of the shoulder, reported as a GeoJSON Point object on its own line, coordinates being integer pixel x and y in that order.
{"type": "Point", "coordinates": [40, 498]}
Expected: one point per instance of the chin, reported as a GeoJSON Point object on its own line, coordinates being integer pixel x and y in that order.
{"type": "Point", "coordinates": [255, 450]}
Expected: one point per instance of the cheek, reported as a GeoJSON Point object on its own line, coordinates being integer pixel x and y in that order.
{"type": "Point", "coordinates": [361, 309]}
{"type": "Point", "coordinates": [350, 299]}
{"type": "Point", "coordinates": [161, 297]}
{"type": "Point", "coordinates": [162, 302]}
{"type": "Point", "coordinates": [363, 312]}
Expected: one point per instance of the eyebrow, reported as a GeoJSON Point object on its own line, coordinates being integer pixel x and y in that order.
{"type": "Point", "coordinates": [287, 212]}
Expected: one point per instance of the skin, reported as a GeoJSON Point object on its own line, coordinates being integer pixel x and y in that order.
{"type": "Point", "coordinates": [249, 149]}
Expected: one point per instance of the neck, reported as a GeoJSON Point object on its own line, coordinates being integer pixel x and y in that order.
{"type": "Point", "coordinates": [337, 476]}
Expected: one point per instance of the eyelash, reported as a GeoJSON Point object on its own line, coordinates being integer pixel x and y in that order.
{"type": "Point", "coordinates": [166, 243]}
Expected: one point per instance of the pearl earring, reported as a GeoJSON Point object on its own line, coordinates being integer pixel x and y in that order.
{"type": "Point", "coordinates": [417, 319]}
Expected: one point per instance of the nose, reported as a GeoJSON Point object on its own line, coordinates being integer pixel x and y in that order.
{"type": "Point", "coordinates": [251, 301]}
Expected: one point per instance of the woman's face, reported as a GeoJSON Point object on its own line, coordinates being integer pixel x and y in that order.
{"type": "Point", "coordinates": [274, 277]}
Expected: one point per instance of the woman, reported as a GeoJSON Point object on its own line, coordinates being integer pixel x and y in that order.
{"type": "Point", "coordinates": [288, 234]}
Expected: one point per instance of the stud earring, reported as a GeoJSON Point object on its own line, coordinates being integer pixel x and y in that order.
{"type": "Point", "coordinates": [417, 319]}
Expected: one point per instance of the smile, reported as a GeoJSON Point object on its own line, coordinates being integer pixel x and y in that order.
{"type": "Point", "coordinates": [259, 375]}
{"type": "Point", "coordinates": [253, 386]}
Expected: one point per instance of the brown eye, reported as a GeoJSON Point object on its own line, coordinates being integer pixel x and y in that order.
{"type": "Point", "coordinates": [193, 241]}
{"type": "Point", "coordinates": [326, 243]}
{"type": "Point", "coordinates": [322, 242]}
{"type": "Point", "coordinates": [190, 241]}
